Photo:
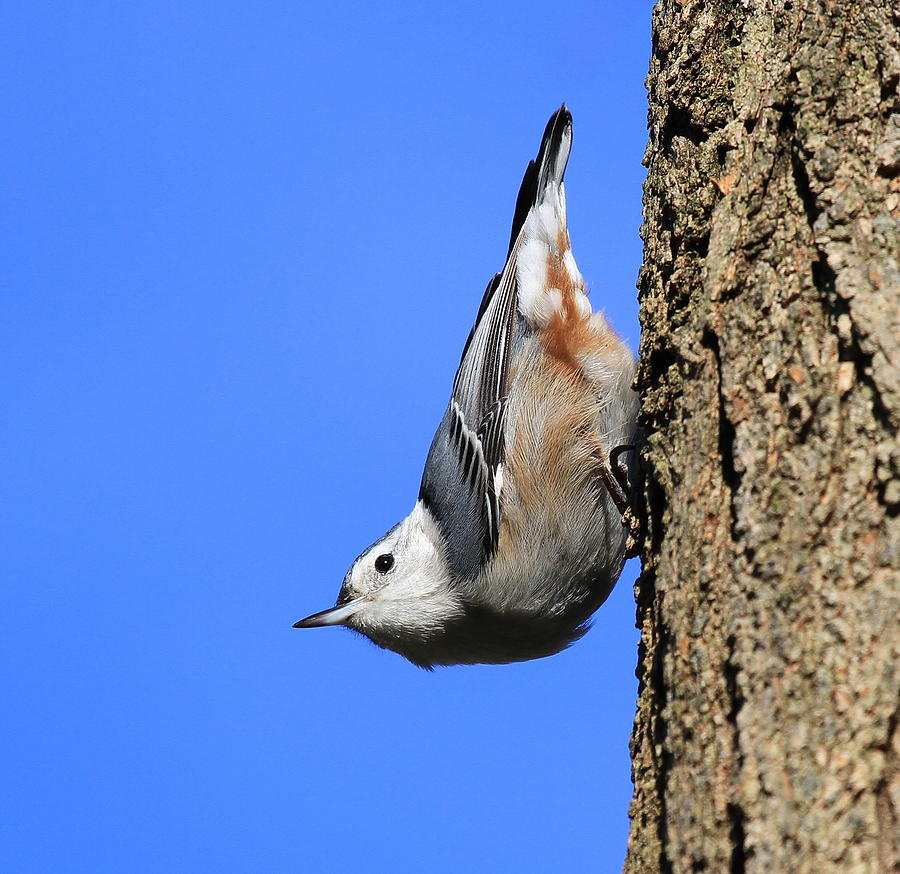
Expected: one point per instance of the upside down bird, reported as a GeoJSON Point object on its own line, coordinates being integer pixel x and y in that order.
{"type": "Point", "coordinates": [516, 537]}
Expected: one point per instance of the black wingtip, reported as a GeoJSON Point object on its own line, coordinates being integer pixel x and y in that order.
{"type": "Point", "coordinates": [546, 167]}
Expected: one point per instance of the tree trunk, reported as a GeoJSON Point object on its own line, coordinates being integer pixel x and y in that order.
{"type": "Point", "coordinates": [766, 734]}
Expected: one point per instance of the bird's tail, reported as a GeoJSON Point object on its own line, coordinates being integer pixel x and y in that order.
{"type": "Point", "coordinates": [549, 287]}
{"type": "Point", "coordinates": [544, 175]}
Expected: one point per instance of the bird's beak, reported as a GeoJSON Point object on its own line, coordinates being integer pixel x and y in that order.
{"type": "Point", "coordinates": [332, 616]}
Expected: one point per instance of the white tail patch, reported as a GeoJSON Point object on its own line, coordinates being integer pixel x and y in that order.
{"type": "Point", "coordinates": [545, 267]}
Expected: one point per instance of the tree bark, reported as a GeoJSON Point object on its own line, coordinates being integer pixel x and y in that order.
{"type": "Point", "coordinates": [769, 604]}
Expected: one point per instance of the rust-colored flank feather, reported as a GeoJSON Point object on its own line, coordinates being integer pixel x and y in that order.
{"type": "Point", "coordinates": [570, 334]}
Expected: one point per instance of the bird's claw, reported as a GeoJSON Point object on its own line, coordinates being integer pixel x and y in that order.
{"type": "Point", "coordinates": [623, 495]}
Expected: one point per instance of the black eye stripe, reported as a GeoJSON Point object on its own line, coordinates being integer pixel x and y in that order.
{"type": "Point", "coordinates": [384, 563]}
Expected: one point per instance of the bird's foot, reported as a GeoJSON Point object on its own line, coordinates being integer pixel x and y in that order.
{"type": "Point", "coordinates": [623, 495]}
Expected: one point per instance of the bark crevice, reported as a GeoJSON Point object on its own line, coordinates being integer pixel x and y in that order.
{"type": "Point", "coordinates": [886, 806]}
{"type": "Point", "coordinates": [730, 474]}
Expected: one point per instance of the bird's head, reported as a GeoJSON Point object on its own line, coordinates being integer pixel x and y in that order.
{"type": "Point", "coordinates": [399, 591]}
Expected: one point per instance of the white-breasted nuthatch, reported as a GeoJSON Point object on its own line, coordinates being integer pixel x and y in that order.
{"type": "Point", "coordinates": [516, 537]}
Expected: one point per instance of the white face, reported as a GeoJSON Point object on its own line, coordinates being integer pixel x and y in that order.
{"type": "Point", "coordinates": [401, 585]}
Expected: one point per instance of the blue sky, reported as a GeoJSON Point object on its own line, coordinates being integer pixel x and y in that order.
{"type": "Point", "coordinates": [243, 246]}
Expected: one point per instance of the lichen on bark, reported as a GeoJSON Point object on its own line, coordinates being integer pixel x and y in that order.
{"type": "Point", "coordinates": [769, 604]}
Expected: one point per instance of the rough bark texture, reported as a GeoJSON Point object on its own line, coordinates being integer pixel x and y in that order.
{"type": "Point", "coordinates": [766, 735]}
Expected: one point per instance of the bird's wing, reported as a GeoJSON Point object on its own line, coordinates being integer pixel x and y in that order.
{"type": "Point", "coordinates": [462, 480]}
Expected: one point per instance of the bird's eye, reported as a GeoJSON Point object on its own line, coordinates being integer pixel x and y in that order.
{"type": "Point", "coordinates": [384, 563]}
